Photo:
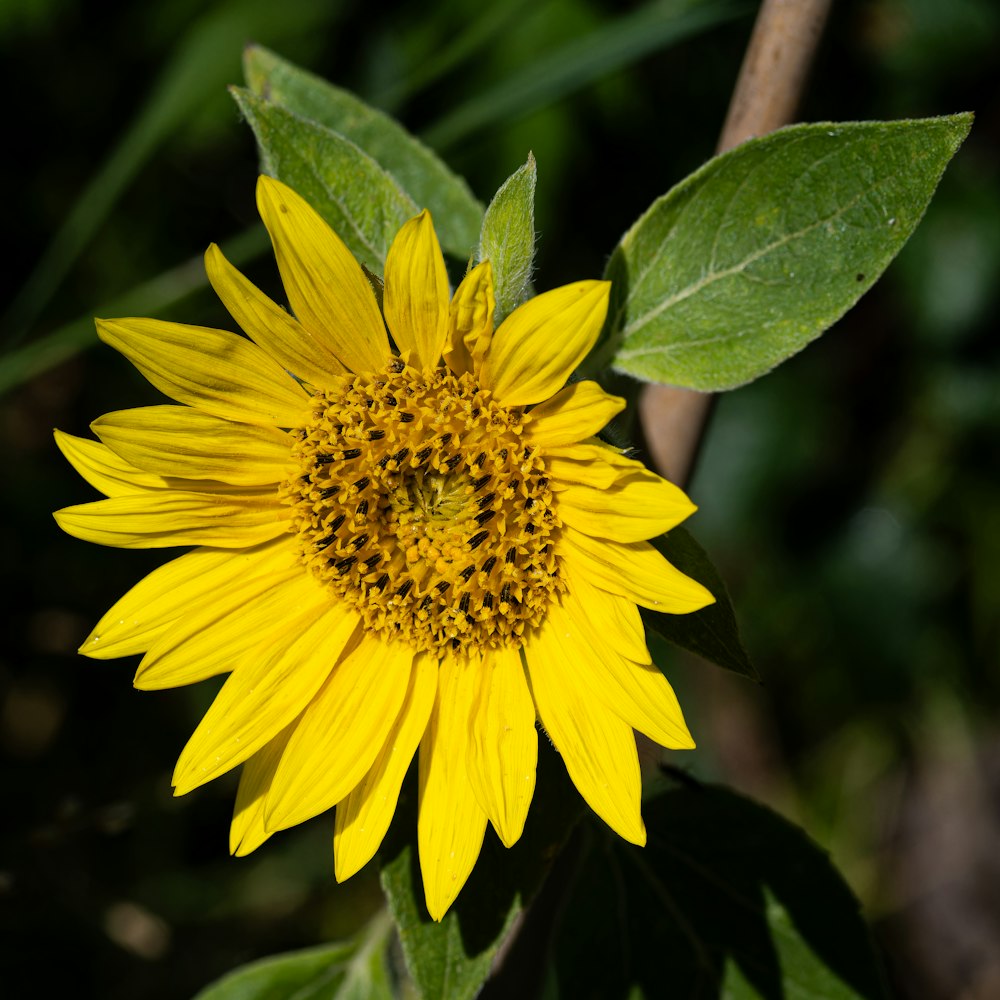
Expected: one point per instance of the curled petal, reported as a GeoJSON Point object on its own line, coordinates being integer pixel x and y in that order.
{"type": "Point", "coordinates": [470, 320]}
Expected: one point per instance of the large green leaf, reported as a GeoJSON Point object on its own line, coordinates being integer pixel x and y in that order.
{"type": "Point", "coordinates": [712, 633]}
{"type": "Point", "coordinates": [508, 238]}
{"type": "Point", "coordinates": [361, 201]}
{"type": "Point", "coordinates": [450, 960]}
{"type": "Point", "coordinates": [345, 970]}
{"type": "Point", "coordinates": [418, 171]}
{"type": "Point", "coordinates": [727, 899]}
{"type": "Point", "coordinates": [758, 252]}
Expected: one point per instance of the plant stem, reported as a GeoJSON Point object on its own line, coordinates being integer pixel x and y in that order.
{"type": "Point", "coordinates": [767, 93]}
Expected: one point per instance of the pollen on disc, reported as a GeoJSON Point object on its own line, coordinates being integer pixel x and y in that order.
{"type": "Point", "coordinates": [418, 503]}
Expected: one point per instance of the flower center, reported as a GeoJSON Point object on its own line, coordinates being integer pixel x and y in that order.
{"type": "Point", "coordinates": [419, 504]}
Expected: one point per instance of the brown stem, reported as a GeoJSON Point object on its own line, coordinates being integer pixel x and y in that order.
{"type": "Point", "coordinates": [767, 94]}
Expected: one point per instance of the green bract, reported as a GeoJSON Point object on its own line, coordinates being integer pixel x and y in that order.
{"type": "Point", "coordinates": [508, 238]}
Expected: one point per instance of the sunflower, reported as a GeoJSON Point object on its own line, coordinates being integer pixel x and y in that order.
{"type": "Point", "coordinates": [405, 540]}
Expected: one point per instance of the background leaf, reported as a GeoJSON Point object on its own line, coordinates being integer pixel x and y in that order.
{"type": "Point", "coordinates": [345, 970]}
{"type": "Point", "coordinates": [763, 248]}
{"type": "Point", "coordinates": [508, 238]}
{"type": "Point", "coordinates": [198, 69]}
{"type": "Point", "coordinates": [418, 171]}
{"type": "Point", "coordinates": [160, 294]}
{"type": "Point", "coordinates": [712, 632]}
{"type": "Point", "coordinates": [705, 893]}
{"type": "Point", "coordinates": [364, 204]}
{"type": "Point", "coordinates": [608, 47]}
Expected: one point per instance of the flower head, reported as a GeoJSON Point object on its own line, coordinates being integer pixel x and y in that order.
{"type": "Point", "coordinates": [408, 538]}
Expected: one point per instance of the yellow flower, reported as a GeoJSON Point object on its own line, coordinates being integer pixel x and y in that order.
{"type": "Point", "coordinates": [402, 543]}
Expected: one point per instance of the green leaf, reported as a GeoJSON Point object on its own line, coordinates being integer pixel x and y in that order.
{"type": "Point", "coordinates": [450, 960]}
{"type": "Point", "coordinates": [345, 970]}
{"type": "Point", "coordinates": [363, 203]}
{"type": "Point", "coordinates": [726, 896]}
{"type": "Point", "coordinates": [758, 252]}
{"type": "Point", "coordinates": [417, 170]}
{"type": "Point", "coordinates": [712, 633]}
{"type": "Point", "coordinates": [803, 974]}
{"type": "Point", "coordinates": [508, 238]}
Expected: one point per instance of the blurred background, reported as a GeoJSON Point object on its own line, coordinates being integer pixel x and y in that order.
{"type": "Point", "coordinates": [851, 499]}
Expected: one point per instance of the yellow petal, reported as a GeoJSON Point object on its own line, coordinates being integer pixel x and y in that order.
{"type": "Point", "coordinates": [576, 412]}
{"type": "Point", "coordinates": [341, 731]}
{"type": "Point", "coordinates": [504, 747]}
{"type": "Point", "coordinates": [306, 355]}
{"type": "Point", "coordinates": [170, 517]}
{"type": "Point", "coordinates": [451, 822]}
{"type": "Point", "coordinates": [247, 831]}
{"type": "Point", "coordinates": [634, 570]}
{"type": "Point", "coordinates": [470, 320]}
{"type": "Point", "coordinates": [637, 506]}
{"type": "Point", "coordinates": [139, 618]}
{"type": "Point", "coordinates": [243, 621]}
{"type": "Point", "coordinates": [363, 817]}
{"type": "Point", "coordinates": [637, 693]}
{"type": "Point", "coordinates": [103, 469]}
{"type": "Point", "coordinates": [262, 697]}
{"type": "Point", "coordinates": [596, 745]}
{"type": "Point", "coordinates": [616, 620]}
{"type": "Point", "coordinates": [565, 472]}
{"type": "Point", "coordinates": [540, 344]}
{"type": "Point", "coordinates": [589, 463]}
{"type": "Point", "coordinates": [216, 371]}
{"type": "Point", "coordinates": [416, 293]}
{"type": "Point", "coordinates": [326, 287]}
{"type": "Point", "coordinates": [184, 442]}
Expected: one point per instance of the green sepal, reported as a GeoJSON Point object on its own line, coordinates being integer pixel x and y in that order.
{"type": "Point", "coordinates": [507, 240]}
{"type": "Point", "coordinates": [758, 252]}
{"type": "Point", "coordinates": [416, 169]}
